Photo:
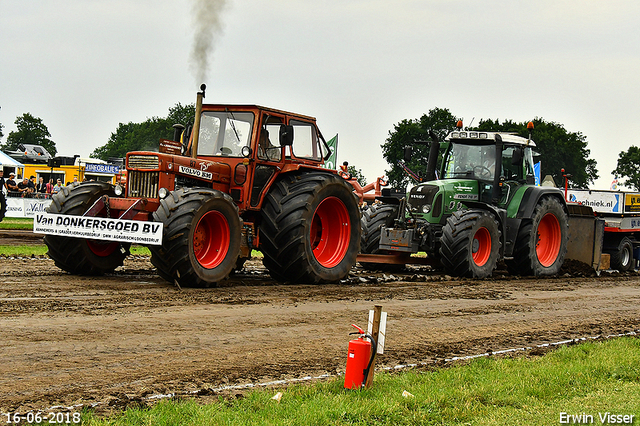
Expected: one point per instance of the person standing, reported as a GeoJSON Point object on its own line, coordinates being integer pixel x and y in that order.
{"type": "Point", "coordinates": [57, 187]}
{"type": "Point", "coordinates": [12, 187]}
{"type": "Point", "coordinates": [50, 186]}
{"type": "Point", "coordinates": [3, 185]}
{"type": "Point", "coordinates": [32, 185]}
{"type": "Point", "coordinates": [41, 187]}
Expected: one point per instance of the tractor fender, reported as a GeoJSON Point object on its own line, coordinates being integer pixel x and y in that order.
{"type": "Point", "coordinates": [532, 196]}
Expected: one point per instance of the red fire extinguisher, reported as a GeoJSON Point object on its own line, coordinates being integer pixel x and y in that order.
{"type": "Point", "coordinates": [359, 359]}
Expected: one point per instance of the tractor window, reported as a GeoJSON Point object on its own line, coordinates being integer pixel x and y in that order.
{"type": "Point", "coordinates": [224, 133]}
{"type": "Point", "coordinates": [510, 170]}
{"type": "Point", "coordinates": [306, 142]}
{"type": "Point", "coordinates": [269, 142]}
{"type": "Point", "coordinates": [471, 161]}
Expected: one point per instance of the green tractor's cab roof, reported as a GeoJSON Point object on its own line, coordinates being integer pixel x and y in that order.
{"type": "Point", "coordinates": [487, 138]}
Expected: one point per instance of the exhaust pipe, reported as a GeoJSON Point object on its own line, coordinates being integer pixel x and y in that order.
{"type": "Point", "coordinates": [196, 122]}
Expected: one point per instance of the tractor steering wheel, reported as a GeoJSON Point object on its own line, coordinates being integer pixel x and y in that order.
{"type": "Point", "coordinates": [484, 173]}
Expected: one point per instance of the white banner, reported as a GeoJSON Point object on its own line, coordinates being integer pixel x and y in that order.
{"type": "Point", "coordinates": [26, 207]}
{"type": "Point", "coordinates": [600, 201]}
{"type": "Point", "coordinates": [98, 228]}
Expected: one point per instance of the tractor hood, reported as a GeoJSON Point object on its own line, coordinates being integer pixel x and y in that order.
{"type": "Point", "coordinates": [434, 200]}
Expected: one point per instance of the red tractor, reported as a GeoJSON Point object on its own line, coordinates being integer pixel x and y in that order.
{"type": "Point", "coordinates": [247, 177]}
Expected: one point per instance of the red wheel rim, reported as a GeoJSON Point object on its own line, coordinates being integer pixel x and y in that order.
{"type": "Point", "coordinates": [211, 239]}
{"type": "Point", "coordinates": [330, 232]}
{"type": "Point", "coordinates": [102, 249]}
{"type": "Point", "coordinates": [481, 249]}
{"type": "Point", "coordinates": [549, 240]}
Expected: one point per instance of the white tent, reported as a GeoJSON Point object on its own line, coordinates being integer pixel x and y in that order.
{"type": "Point", "coordinates": [9, 164]}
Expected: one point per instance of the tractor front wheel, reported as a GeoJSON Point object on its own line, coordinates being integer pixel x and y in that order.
{"type": "Point", "coordinates": [470, 244]}
{"type": "Point", "coordinates": [201, 240]}
{"type": "Point", "coordinates": [77, 255]}
{"type": "Point", "coordinates": [310, 228]}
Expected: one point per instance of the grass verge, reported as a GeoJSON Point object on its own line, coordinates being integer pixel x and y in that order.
{"type": "Point", "coordinates": [589, 379]}
{"type": "Point", "coordinates": [16, 223]}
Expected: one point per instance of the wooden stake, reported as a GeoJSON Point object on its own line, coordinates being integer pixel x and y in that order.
{"type": "Point", "coordinates": [375, 330]}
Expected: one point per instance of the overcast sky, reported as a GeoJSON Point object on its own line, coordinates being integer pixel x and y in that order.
{"type": "Point", "coordinates": [359, 67]}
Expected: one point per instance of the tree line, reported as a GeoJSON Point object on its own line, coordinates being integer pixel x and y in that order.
{"type": "Point", "coordinates": [557, 147]}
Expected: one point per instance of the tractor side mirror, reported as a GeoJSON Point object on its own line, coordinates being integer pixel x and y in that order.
{"type": "Point", "coordinates": [408, 151]}
{"type": "Point", "coordinates": [286, 135]}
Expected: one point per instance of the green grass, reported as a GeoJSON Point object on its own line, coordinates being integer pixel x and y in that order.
{"type": "Point", "coordinates": [16, 223]}
{"type": "Point", "coordinates": [589, 378]}
{"type": "Point", "coordinates": [40, 249]}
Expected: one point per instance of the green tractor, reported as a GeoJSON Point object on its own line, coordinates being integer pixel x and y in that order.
{"type": "Point", "coordinates": [482, 207]}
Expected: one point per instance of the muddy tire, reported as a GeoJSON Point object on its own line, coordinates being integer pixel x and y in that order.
{"type": "Point", "coordinates": [310, 228]}
{"type": "Point", "coordinates": [622, 256]}
{"type": "Point", "coordinates": [78, 255]}
{"type": "Point", "coordinates": [373, 219]}
{"type": "Point", "coordinates": [3, 205]}
{"type": "Point", "coordinates": [470, 244]}
{"type": "Point", "coordinates": [201, 237]}
{"type": "Point", "coordinates": [541, 244]}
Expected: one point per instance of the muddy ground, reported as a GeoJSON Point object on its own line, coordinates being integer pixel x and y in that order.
{"type": "Point", "coordinates": [121, 339]}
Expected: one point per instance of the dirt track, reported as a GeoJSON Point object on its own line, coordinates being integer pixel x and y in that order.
{"type": "Point", "coordinates": [118, 339]}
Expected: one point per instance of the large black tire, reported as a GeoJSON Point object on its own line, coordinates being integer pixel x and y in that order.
{"type": "Point", "coordinates": [541, 244]}
{"type": "Point", "coordinates": [310, 228]}
{"type": "Point", "coordinates": [3, 205]}
{"type": "Point", "coordinates": [373, 219]}
{"type": "Point", "coordinates": [77, 255]}
{"type": "Point", "coordinates": [470, 244]}
{"type": "Point", "coordinates": [622, 256]}
{"type": "Point", "coordinates": [201, 237]}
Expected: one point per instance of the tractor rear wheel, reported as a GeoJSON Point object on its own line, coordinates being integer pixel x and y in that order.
{"type": "Point", "coordinates": [470, 244]}
{"type": "Point", "coordinates": [541, 244]}
{"type": "Point", "coordinates": [3, 205]}
{"type": "Point", "coordinates": [201, 240]}
{"type": "Point", "coordinates": [373, 219]}
{"type": "Point", "coordinates": [310, 228]}
{"type": "Point", "coordinates": [622, 256]}
{"type": "Point", "coordinates": [77, 255]}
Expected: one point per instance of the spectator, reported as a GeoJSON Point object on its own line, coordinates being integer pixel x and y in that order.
{"type": "Point", "coordinates": [41, 187]}
{"type": "Point", "coordinates": [75, 179]}
{"type": "Point", "coordinates": [3, 185]}
{"type": "Point", "coordinates": [23, 187]}
{"type": "Point", "coordinates": [11, 185]}
{"type": "Point", "coordinates": [50, 186]}
{"type": "Point", "coordinates": [57, 187]}
{"type": "Point", "coordinates": [32, 184]}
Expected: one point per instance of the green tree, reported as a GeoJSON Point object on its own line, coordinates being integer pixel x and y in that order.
{"type": "Point", "coordinates": [627, 167]}
{"type": "Point", "coordinates": [145, 136]}
{"type": "Point", "coordinates": [558, 149]}
{"type": "Point", "coordinates": [357, 173]}
{"type": "Point", "coordinates": [406, 133]}
{"type": "Point", "coordinates": [29, 130]}
{"type": "Point", "coordinates": [1, 127]}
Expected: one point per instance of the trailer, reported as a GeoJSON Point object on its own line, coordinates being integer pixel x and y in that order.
{"type": "Point", "coordinates": [620, 211]}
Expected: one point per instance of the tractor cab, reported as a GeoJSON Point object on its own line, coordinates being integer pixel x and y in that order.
{"type": "Point", "coordinates": [486, 167]}
{"type": "Point", "coordinates": [489, 160]}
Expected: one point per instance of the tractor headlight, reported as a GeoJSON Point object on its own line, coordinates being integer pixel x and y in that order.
{"type": "Point", "coordinates": [426, 208]}
{"type": "Point", "coordinates": [119, 190]}
{"type": "Point", "coordinates": [163, 192]}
